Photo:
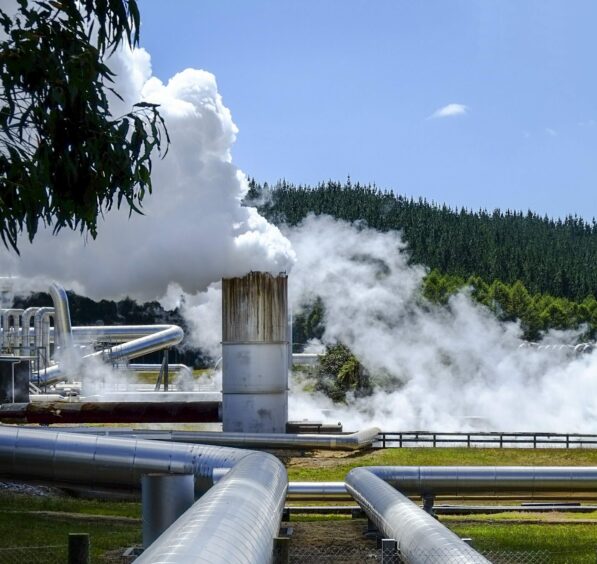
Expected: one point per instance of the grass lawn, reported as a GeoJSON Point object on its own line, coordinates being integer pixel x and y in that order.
{"type": "Point", "coordinates": [570, 543]}
{"type": "Point", "coordinates": [200, 374]}
{"type": "Point", "coordinates": [334, 467]}
{"type": "Point", "coordinates": [27, 520]}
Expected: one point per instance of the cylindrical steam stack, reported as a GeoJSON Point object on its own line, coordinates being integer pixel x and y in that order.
{"type": "Point", "coordinates": [255, 353]}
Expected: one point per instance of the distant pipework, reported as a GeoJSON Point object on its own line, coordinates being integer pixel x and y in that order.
{"type": "Point", "coordinates": [63, 337]}
{"type": "Point", "coordinates": [255, 353]}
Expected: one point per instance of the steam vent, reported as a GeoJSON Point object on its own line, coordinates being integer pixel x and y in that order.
{"type": "Point", "coordinates": [255, 349]}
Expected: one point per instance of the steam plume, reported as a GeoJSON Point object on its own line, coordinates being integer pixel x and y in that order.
{"type": "Point", "coordinates": [437, 368]}
{"type": "Point", "coordinates": [194, 230]}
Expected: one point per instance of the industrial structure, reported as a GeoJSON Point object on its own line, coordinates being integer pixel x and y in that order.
{"type": "Point", "coordinates": [256, 353]}
{"type": "Point", "coordinates": [215, 497]}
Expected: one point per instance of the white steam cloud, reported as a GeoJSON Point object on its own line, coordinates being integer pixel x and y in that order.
{"type": "Point", "coordinates": [437, 368]}
{"type": "Point", "coordinates": [194, 230]}
{"type": "Point", "coordinates": [442, 368]}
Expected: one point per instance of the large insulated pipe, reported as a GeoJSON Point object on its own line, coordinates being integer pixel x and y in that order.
{"type": "Point", "coordinates": [164, 498]}
{"type": "Point", "coordinates": [41, 331]}
{"type": "Point", "coordinates": [234, 523]}
{"type": "Point", "coordinates": [170, 336]}
{"type": "Point", "coordinates": [105, 462]}
{"type": "Point", "coordinates": [349, 441]}
{"type": "Point", "coordinates": [62, 327]}
{"type": "Point", "coordinates": [10, 332]}
{"type": "Point", "coordinates": [472, 481]}
{"type": "Point", "coordinates": [488, 480]}
{"type": "Point", "coordinates": [26, 333]}
{"type": "Point", "coordinates": [182, 368]}
{"type": "Point", "coordinates": [420, 537]}
{"type": "Point", "coordinates": [114, 333]}
{"type": "Point", "coordinates": [255, 353]}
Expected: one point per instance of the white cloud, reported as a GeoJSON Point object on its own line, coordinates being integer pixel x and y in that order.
{"type": "Point", "coordinates": [449, 111]}
{"type": "Point", "coordinates": [551, 132]}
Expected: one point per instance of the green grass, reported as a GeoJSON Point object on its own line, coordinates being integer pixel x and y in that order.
{"type": "Point", "coordinates": [22, 524]}
{"type": "Point", "coordinates": [523, 516]}
{"type": "Point", "coordinates": [317, 469]}
{"type": "Point", "coordinates": [10, 502]}
{"type": "Point", "coordinates": [574, 543]}
{"type": "Point", "coordinates": [151, 377]}
{"type": "Point", "coordinates": [26, 529]}
{"type": "Point", "coordinates": [306, 518]}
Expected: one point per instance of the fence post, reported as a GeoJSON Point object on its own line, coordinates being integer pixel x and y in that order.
{"type": "Point", "coordinates": [78, 548]}
{"type": "Point", "coordinates": [281, 550]}
{"type": "Point", "coordinates": [389, 554]}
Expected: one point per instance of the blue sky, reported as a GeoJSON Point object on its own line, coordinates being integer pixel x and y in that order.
{"type": "Point", "coordinates": [330, 88]}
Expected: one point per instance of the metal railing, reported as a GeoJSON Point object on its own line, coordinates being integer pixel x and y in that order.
{"type": "Point", "coordinates": [484, 439]}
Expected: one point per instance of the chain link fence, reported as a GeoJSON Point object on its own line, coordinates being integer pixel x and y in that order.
{"type": "Point", "coordinates": [34, 555]}
{"type": "Point", "coordinates": [358, 555]}
{"type": "Point", "coordinates": [297, 554]}
{"type": "Point", "coordinates": [58, 554]}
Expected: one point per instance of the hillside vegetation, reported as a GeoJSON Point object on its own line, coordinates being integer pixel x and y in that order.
{"type": "Point", "coordinates": [549, 256]}
{"type": "Point", "coordinates": [538, 271]}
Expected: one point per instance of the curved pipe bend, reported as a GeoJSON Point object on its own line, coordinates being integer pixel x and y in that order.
{"type": "Point", "coordinates": [251, 495]}
{"type": "Point", "coordinates": [421, 539]}
{"type": "Point", "coordinates": [63, 329]}
{"type": "Point", "coordinates": [349, 441]}
{"type": "Point", "coordinates": [234, 522]}
{"type": "Point", "coordinates": [168, 337]}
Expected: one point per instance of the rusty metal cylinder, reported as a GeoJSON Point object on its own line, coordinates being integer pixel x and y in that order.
{"type": "Point", "coordinates": [255, 353]}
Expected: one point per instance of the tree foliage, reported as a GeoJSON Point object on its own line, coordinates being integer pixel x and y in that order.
{"type": "Point", "coordinates": [64, 159]}
{"type": "Point", "coordinates": [552, 256]}
{"type": "Point", "coordinates": [536, 313]}
{"type": "Point", "coordinates": [340, 372]}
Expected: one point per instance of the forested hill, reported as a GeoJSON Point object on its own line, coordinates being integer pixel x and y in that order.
{"type": "Point", "coordinates": [553, 256]}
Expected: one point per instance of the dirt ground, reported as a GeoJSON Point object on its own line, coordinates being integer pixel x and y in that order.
{"type": "Point", "coordinates": [340, 532]}
{"type": "Point", "coordinates": [340, 541]}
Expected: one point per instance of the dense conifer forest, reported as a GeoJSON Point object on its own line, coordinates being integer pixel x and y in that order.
{"type": "Point", "coordinates": [549, 256]}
